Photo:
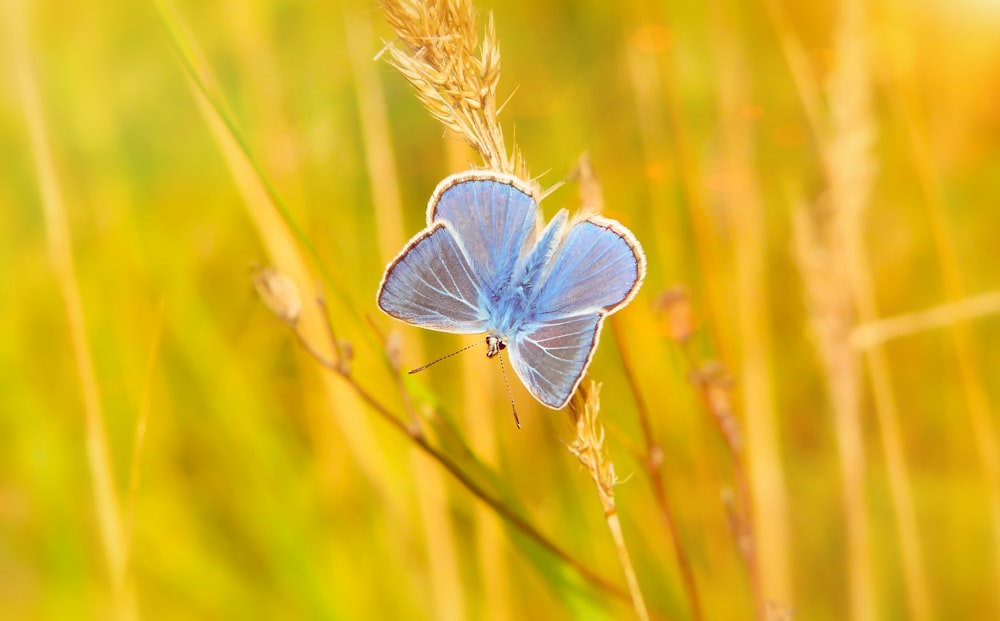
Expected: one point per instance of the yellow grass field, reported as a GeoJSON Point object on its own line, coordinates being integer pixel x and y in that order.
{"type": "Point", "coordinates": [204, 415]}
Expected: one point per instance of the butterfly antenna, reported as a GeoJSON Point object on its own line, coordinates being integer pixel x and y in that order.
{"type": "Point", "coordinates": [513, 408]}
{"type": "Point", "coordinates": [418, 369]}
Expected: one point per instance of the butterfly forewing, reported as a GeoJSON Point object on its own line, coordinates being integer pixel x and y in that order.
{"type": "Point", "coordinates": [599, 267]}
{"type": "Point", "coordinates": [550, 357]}
{"type": "Point", "coordinates": [431, 285]}
{"type": "Point", "coordinates": [493, 219]}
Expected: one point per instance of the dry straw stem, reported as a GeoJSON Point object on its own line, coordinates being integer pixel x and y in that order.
{"type": "Point", "coordinates": [588, 447]}
{"type": "Point", "coordinates": [651, 457]}
{"type": "Point", "coordinates": [714, 388]}
{"type": "Point", "coordinates": [984, 430]}
{"type": "Point", "coordinates": [285, 243]}
{"type": "Point", "coordinates": [821, 245]}
{"type": "Point", "coordinates": [456, 78]}
{"type": "Point", "coordinates": [845, 149]}
{"type": "Point", "coordinates": [436, 522]}
{"type": "Point", "coordinates": [945, 315]}
{"type": "Point", "coordinates": [140, 432]}
{"type": "Point", "coordinates": [850, 168]}
{"type": "Point", "coordinates": [820, 241]}
{"type": "Point", "coordinates": [592, 201]}
{"type": "Point", "coordinates": [106, 504]}
{"type": "Point", "coordinates": [749, 217]}
{"type": "Point", "coordinates": [651, 53]}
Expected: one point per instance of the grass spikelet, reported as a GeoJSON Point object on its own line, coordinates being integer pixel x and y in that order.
{"type": "Point", "coordinates": [455, 76]}
{"type": "Point", "coordinates": [588, 447]}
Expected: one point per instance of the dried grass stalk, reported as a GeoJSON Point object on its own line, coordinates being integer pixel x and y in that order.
{"type": "Point", "coordinates": [588, 447]}
{"type": "Point", "coordinates": [831, 254]}
{"type": "Point", "coordinates": [456, 77]}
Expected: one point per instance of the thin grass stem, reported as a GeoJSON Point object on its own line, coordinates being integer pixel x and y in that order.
{"type": "Point", "coordinates": [850, 168]}
{"type": "Point", "coordinates": [764, 463]}
{"type": "Point", "coordinates": [981, 413]}
{"type": "Point", "coordinates": [60, 249]}
{"type": "Point", "coordinates": [887, 329]}
{"type": "Point", "coordinates": [588, 447]}
{"type": "Point", "coordinates": [139, 442]}
{"type": "Point", "coordinates": [652, 459]}
{"type": "Point", "coordinates": [497, 505]}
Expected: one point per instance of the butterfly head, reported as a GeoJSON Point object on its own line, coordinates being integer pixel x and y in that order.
{"type": "Point", "coordinates": [495, 344]}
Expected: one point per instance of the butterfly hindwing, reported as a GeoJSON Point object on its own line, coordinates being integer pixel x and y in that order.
{"type": "Point", "coordinates": [493, 216]}
{"type": "Point", "coordinates": [550, 357]}
{"type": "Point", "coordinates": [431, 285]}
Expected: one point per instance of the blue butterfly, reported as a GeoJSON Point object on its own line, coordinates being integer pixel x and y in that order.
{"type": "Point", "coordinates": [485, 264]}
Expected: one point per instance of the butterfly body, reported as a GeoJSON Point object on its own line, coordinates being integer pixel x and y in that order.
{"type": "Point", "coordinates": [483, 265]}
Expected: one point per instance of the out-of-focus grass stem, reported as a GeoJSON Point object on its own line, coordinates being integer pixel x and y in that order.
{"type": "Point", "coordinates": [651, 107]}
{"type": "Point", "coordinates": [416, 436]}
{"type": "Point", "coordinates": [713, 392]}
{"type": "Point", "coordinates": [713, 387]}
{"type": "Point", "coordinates": [60, 250]}
{"type": "Point", "coordinates": [283, 239]}
{"type": "Point", "coordinates": [820, 244]}
{"type": "Point", "coordinates": [903, 98]}
{"type": "Point", "coordinates": [850, 166]}
{"type": "Point", "coordinates": [882, 330]}
{"type": "Point", "coordinates": [749, 215]}
{"type": "Point", "coordinates": [140, 434]}
{"type": "Point", "coordinates": [441, 547]}
{"type": "Point", "coordinates": [652, 460]}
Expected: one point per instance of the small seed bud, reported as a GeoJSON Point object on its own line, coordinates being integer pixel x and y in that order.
{"type": "Point", "coordinates": [279, 294]}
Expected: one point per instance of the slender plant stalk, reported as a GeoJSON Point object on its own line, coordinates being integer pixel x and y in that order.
{"type": "Point", "coordinates": [651, 53]}
{"type": "Point", "coordinates": [822, 232]}
{"type": "Point", "coordinates": [850, 165]}
{"type": "Point", "coordinates": [652, 459]}
{"type": "Point", "coordinates": [60, 249]}
{"type": "Point", "coordinates": [592, 200]}
{"type": "Point", "coordinates": [713, 389]}
{"type": "Point", "coordinates": [821, 245]}
{"type": "Point", "coordinates": [140, 434]}
{"type": "Point", "coordinates": [283, 239]}
{"type": "Point", "coordinates": [845, 153]}
{"type": "Point", "coordinates": [416, 435]}
{"type": "Point", "coordinates": [749, 213]}
{"type": "Point", "coordinates": [588, 446]}
{"type": "Point", "coordinates": [439, 538]}
{"type": "Point", "coordinates": [981, 413]}
{"type": "Point", "coordinates": [882, 330]}
{"type": "Point", "coordinates": [820, 238]}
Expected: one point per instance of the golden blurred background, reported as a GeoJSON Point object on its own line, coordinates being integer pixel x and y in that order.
{"type": "Point", "coordinates": [821, 180]}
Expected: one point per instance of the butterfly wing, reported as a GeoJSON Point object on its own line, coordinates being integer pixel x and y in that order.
{"type": "Point", "coordinates": [597, 270]}
{"type": "Point", "coordinates": [493, 216]}
{"type": "Point", "coordinates": [432, 285]}
{"type": "Point", "coordinates": [550, 357]}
